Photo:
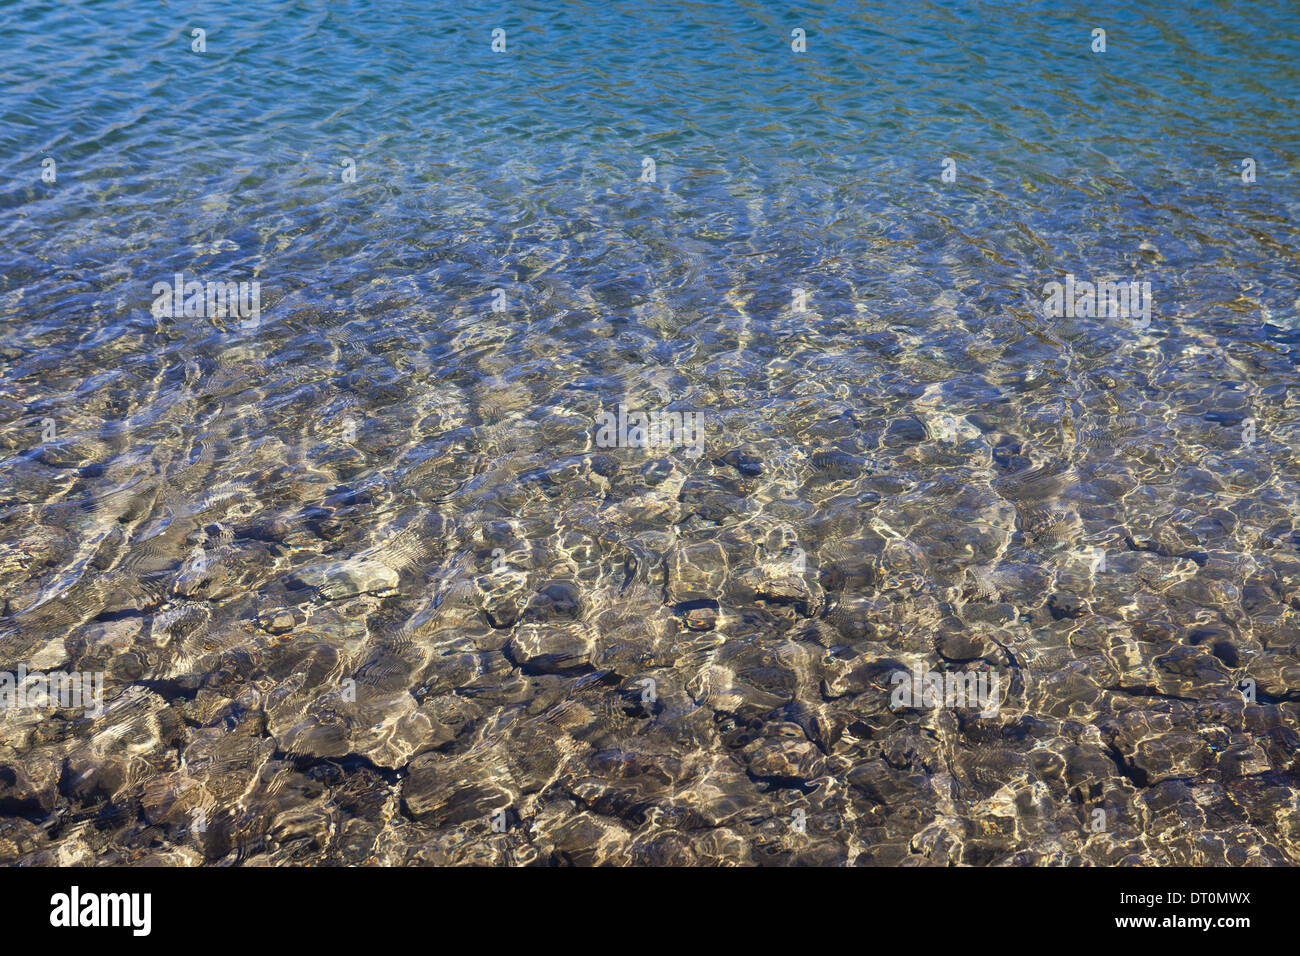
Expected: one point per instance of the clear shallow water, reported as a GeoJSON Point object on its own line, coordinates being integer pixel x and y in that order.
{"type": "Point", "coordinates": [360, 577]}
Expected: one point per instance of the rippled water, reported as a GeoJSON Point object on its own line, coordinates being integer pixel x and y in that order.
{"type": "Point", "coordinates": [364, 581]}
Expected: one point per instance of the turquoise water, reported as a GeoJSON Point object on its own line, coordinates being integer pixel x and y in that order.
{"type": "Point", "coordinates": [362, 575]}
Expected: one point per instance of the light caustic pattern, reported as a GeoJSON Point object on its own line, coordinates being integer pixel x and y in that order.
{"type": "Point", "coordinates": [605, 432]}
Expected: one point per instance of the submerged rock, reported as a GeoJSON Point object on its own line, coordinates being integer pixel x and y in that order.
{"type": "Point", "coordinates": [551, 648]}
{"type": "Point", "coordinates": [342, 579]}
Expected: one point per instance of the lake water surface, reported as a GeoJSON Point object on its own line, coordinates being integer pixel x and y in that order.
{"type": "Point", "coordinates": [608, 432]}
